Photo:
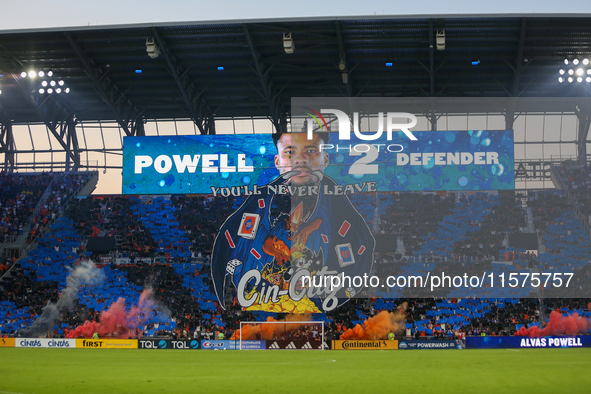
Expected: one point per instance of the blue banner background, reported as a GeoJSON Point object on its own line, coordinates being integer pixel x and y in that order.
{"type": "Point", "coordinates": [260, 151]}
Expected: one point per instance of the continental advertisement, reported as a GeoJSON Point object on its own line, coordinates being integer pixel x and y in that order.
{"type": "Point", "coordinates": [365, 345]}
{"type": "Point", "coordinates": [106, 343]}
{"type": "Point", "coordinates": [7, 342]}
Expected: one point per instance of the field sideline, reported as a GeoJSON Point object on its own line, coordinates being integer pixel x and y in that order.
{"type": "Point", "coordinates": [39, 371]}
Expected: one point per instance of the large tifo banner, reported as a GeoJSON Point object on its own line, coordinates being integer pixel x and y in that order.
{"type": "Point", "coordinates": [491, 342]}
{"type": "Point", "coordinates": [296, 226]}
{"type": "Point", "coordinates": [232, 165]}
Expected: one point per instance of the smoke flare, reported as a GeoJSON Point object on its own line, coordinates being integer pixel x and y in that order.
{"type": "Point", "coordinates": [116, 322]}
{"type": "Point", "coordinates": [85, 274]}
{"type": "Point", "coordinates": [377, 327]}
{"type": "Point", "coordinates": [558, 325]}
{"type": "Point", "coordinates": [292, 324]}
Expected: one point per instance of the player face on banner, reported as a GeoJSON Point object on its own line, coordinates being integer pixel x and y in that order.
{"type": "Point", "coordinates": [296, 153]}
{"type": "Point", "coordinates": [312, 232]}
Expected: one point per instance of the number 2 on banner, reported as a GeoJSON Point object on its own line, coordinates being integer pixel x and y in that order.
{"type": "Point", "coordinates": [362, 166]}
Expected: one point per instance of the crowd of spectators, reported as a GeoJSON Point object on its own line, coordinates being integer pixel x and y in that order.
{"type": "Point", "coordinates": [63, 188]}
{"type": "Point", "coordinates": [201, 218]}
{"type": "Point", "coordinates": [19, 196]}
{"type": "Point", "coordinates": [414, 215]}
{"type": "Point", "coordinates": [422, 219]}
{"type": "Point", "coordinates": [577, 180]}
{"type": "Point", "coordinates": [112, 217]}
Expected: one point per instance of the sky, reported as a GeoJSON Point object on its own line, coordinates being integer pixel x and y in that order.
{"type": "Point", "coordinates": [59, 13]}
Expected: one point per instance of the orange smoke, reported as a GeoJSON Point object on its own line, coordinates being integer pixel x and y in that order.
{"type": "Point", "coordinates": [558, 325]}
{"type": "Point", "coordinates": [265, 331]}
{"type": "Point", "coordinates": [378, 326]}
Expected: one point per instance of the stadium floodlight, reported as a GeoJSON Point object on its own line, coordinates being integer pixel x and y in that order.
{"type": "Point", "coordinates": [440, 39]}
{"type": "Point", "coordinates": [576, 61]}
{"type": "Point", "coordinates": [50, 73]}
{"type": "Point", "coordinates": [0, 91]}
{"type": "Point", "coordinates": [52, 83]}
{"type": "Point", "coordinates": [589, 71]}
{"type": "Point", "coordinates": [585, 61]}
{"type": "Point", "coordinates": [560, 79]}
{"type": "Point", "coordinates": [588, 79]}
{"type": "Point", "coordinates": [288, 44]}
{"type": "Point", "coordinates": [152, 48]}
{"type": "Point", "coordinates": [23, 74]}
{"type": "Point", "coordinates": [44, 83]}
{"type": "Point", "coordinates": [32, 74]}
{"type": "Point", "coordinates": [61, 82]}
{"type": "Point", "coordinates": [58, 90]}
{"type": "Point", "coordinates": [561, 72]}
{"type": "Point", "coordinates": [571, 71]}
{"type": "Point", "coordinates": [570, 79]}
{"type": "Point", "coordinates": [50, 90]}
{"type": "Point", "coordinates": [566, 61]}
{"type": "Point", "coordinates": [41, 91]}
{"type": "Point", "coordinates": [67, 90]}
{"type": "Point", "coordinates": [580, 71]}
{"type": "Point", "coordinates": [41, 74]}
{"type": "Point", "coordinates": [579, 79]}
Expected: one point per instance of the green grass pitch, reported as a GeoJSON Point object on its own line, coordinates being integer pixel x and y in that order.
{"type": "Point", "coordinates": [39, 371]}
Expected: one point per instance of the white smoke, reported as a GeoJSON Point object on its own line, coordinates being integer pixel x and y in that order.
{"type": "Point", "coordinates": [85, 274]}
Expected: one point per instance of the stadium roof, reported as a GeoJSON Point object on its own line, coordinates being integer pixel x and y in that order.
{"type": "Point", "coordinates": [111, 76]}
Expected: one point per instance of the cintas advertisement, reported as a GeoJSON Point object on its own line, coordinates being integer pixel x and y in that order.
{"type": "Point", "coordinates": [45, 342]}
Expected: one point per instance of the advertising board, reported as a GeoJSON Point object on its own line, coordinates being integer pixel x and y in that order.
{"type": "Point", "coordinates": [107, 343]}
{"type": "Point", "coordinates": [364, 345]}
{"type": "Point", "coordinates": [420, 344]}
{"type": "Point", "coordinates": [186, 344]}
{"type": "Point", "coordinates": [517, 342]}
{"type": "Point", "coordinates": [7, 342]}
{"type": "Point", "coordinates": [45, 343]}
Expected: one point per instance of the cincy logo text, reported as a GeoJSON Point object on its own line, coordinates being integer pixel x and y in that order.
{"type": "Point", "coordinates": [345, 124]}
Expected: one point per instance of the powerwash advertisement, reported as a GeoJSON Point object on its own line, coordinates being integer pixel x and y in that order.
{"type": "Point", "coordinates": [296, 224]}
